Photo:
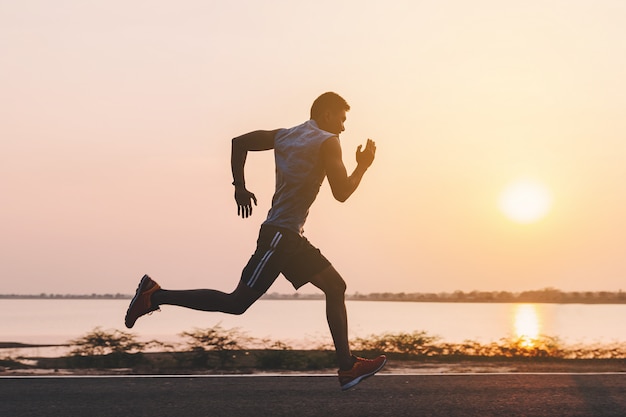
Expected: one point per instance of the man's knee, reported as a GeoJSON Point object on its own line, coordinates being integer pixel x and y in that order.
{"type": "Point", "coordinates": [242, 298]}
{"type": "Point", "coordinates": [240, 307]}
{"type": "Point", "coordinates": [330, 282]}
{"type": "Point", "coordinates": [339, 286]}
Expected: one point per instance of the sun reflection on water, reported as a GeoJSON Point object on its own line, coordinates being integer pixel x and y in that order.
{"type": "Point", "coordinates": [527, 324]}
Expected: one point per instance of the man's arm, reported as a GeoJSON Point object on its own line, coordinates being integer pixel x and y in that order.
{"type": "Point", "coordinates": [260, 140]}
{"type": "Point", "coordinates": [341, 184]}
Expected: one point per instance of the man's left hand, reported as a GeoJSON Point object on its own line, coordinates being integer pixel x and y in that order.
{"type": "Point", "coordinates": [366, 157]}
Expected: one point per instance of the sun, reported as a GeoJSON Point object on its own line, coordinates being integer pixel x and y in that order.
{"type": "Point", "coordinates": [525, 201]}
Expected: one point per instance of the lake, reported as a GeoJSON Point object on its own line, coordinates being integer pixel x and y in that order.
{"type": "Point", "coordinates": [302, 323]}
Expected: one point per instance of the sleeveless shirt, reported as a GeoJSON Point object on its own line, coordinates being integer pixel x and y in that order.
{"type": "Point", "coordinates": [299, 174]}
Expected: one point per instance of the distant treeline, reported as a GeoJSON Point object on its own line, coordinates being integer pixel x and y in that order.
{"type": "Point", "coordinates": [44, 296]}
{"type": "Point", "coordinates": [546, 295]}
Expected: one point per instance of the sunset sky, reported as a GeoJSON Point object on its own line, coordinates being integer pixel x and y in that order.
{"type": "Point", "coordinates": [116, 119]}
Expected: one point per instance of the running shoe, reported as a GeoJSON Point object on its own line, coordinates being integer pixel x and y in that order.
{"type": "Point", "coordinates": [361, 369]}
{"type": "Point", "coordinates": [141, 303]}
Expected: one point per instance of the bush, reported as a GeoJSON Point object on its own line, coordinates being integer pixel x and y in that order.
{"type": "Point", "coordinates": [203, 342]}
{"type": "Point", "coordinates": [105, 342]}
{"type": "Point", "coordinates": [105, 349]}
{"type": "Point", "coordinates": [278, 355]}
{"type": "Point", "coordinates": [416, 343]}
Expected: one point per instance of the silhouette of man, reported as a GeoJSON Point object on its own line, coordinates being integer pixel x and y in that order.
{"type": "Point", "coordinates": [304, 156]}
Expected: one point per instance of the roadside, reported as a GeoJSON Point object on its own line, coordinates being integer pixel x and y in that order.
{"type": "Point", "coordinates": [288, 362]}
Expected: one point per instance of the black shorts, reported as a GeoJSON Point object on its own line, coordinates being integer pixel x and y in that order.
{"type": "Point", "coordinates": [278, 251]}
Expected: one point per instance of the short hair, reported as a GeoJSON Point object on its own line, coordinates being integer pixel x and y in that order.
{"type": "Point", "coordinates": [328, 101]}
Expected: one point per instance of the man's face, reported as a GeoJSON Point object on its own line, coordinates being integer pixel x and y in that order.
{"type": "Point", "coordinates": [333, 121]}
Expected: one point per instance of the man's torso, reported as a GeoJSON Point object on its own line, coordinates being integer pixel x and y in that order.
{"type": "Point", "coordinates": [299, 174]}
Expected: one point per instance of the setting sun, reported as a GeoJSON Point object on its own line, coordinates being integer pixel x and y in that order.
{"type": "Point", "coordinates": [525, 201]}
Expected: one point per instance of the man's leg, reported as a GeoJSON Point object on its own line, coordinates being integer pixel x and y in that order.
{"type": "Point", "coordinates": [150, 295]}
{"type": "Point", "coordinates": [236, 302]}
{"type": "Point", "coordinates": [257, 276]}
{"type": "Point", "coordinates": [352, 370]}
{"type": "Point", "coordinates": [334, 288]}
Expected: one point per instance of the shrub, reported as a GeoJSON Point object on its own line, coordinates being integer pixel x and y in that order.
{"type": "Point", "coordinates": [105, 349]}
{"type": "Point", "coordinates": [104, 342]}
{"type": "Point", "coordinates": [416, 343]}
{"type": "Point", "coordinates": [214, 339]}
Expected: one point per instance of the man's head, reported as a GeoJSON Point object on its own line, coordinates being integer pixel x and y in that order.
{"type": "Point", "coordinates": [329, 112]}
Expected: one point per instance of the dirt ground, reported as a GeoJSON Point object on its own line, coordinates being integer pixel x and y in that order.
{"type": "Point", "coordinates": [396, 366]}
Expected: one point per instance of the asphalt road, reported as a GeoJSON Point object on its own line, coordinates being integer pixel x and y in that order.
{"type": "Point", "coordinates": [382, 395]}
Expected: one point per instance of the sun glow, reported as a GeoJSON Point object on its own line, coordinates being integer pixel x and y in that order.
{"type": "Point", "coordinates": [527, 324]}
{"type": "Point", "coordinates": [525, 201]}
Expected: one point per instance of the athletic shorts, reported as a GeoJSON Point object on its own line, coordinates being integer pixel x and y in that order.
{"type": "Point", "coordinates": [279, 251]}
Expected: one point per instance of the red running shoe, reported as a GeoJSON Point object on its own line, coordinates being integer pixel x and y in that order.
{"type": "Point", "coordinates": [141, 303]}
{"type": "Point", "coordinates": [361, 369]}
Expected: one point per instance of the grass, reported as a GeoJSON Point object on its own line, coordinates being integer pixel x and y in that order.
{"type": "Point", "coordinates": [219, 350]}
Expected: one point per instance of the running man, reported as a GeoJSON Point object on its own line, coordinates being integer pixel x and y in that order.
{"type": "Point", "coordinates": [304, 155]}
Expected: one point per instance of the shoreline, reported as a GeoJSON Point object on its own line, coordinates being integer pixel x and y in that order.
{"type": "Point", "coordinates": [542, 296]}
{"type": "Point", "coordinates": [397, 367]}
{"type": "Point", "coordinates": [291, 362]}
{"type": "Point", "coordinates": [19, 345]}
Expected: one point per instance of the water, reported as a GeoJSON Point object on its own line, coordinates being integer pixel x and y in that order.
{"type": "Point", "coordinates": [302, 323]}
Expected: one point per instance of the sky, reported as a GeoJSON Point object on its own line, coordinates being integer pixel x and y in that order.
{"type": "Point", "coordinates": [116, 119]}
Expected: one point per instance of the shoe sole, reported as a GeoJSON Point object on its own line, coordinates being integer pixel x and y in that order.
{"type": "Point", "coordinates": [355, 381]}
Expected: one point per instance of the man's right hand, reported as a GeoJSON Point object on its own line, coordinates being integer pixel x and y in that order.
{"type": "Point", "coordinates": [244, 199]}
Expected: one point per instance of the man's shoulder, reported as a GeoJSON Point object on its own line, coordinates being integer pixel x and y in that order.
{"type": "Point", "coordinates": [295, 128]}
{"type": "Point", "coordinates": [331, 146]}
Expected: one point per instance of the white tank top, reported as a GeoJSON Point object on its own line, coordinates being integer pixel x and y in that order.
{"type": "Point", "coordinates": [299, 174]}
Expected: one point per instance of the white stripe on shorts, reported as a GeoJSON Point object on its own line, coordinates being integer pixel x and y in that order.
{"type": "Point", "coordinates": [259, 268]}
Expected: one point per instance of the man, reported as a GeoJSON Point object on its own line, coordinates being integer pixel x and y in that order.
{"type": "Point", "coordinates": [304, 155]}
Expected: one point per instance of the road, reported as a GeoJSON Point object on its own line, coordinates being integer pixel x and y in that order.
{"type": "Point", "coordinates": [482, 395]}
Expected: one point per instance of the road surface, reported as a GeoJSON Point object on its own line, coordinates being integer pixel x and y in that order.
{"type": "Point", "coordinates": [482, 395]}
